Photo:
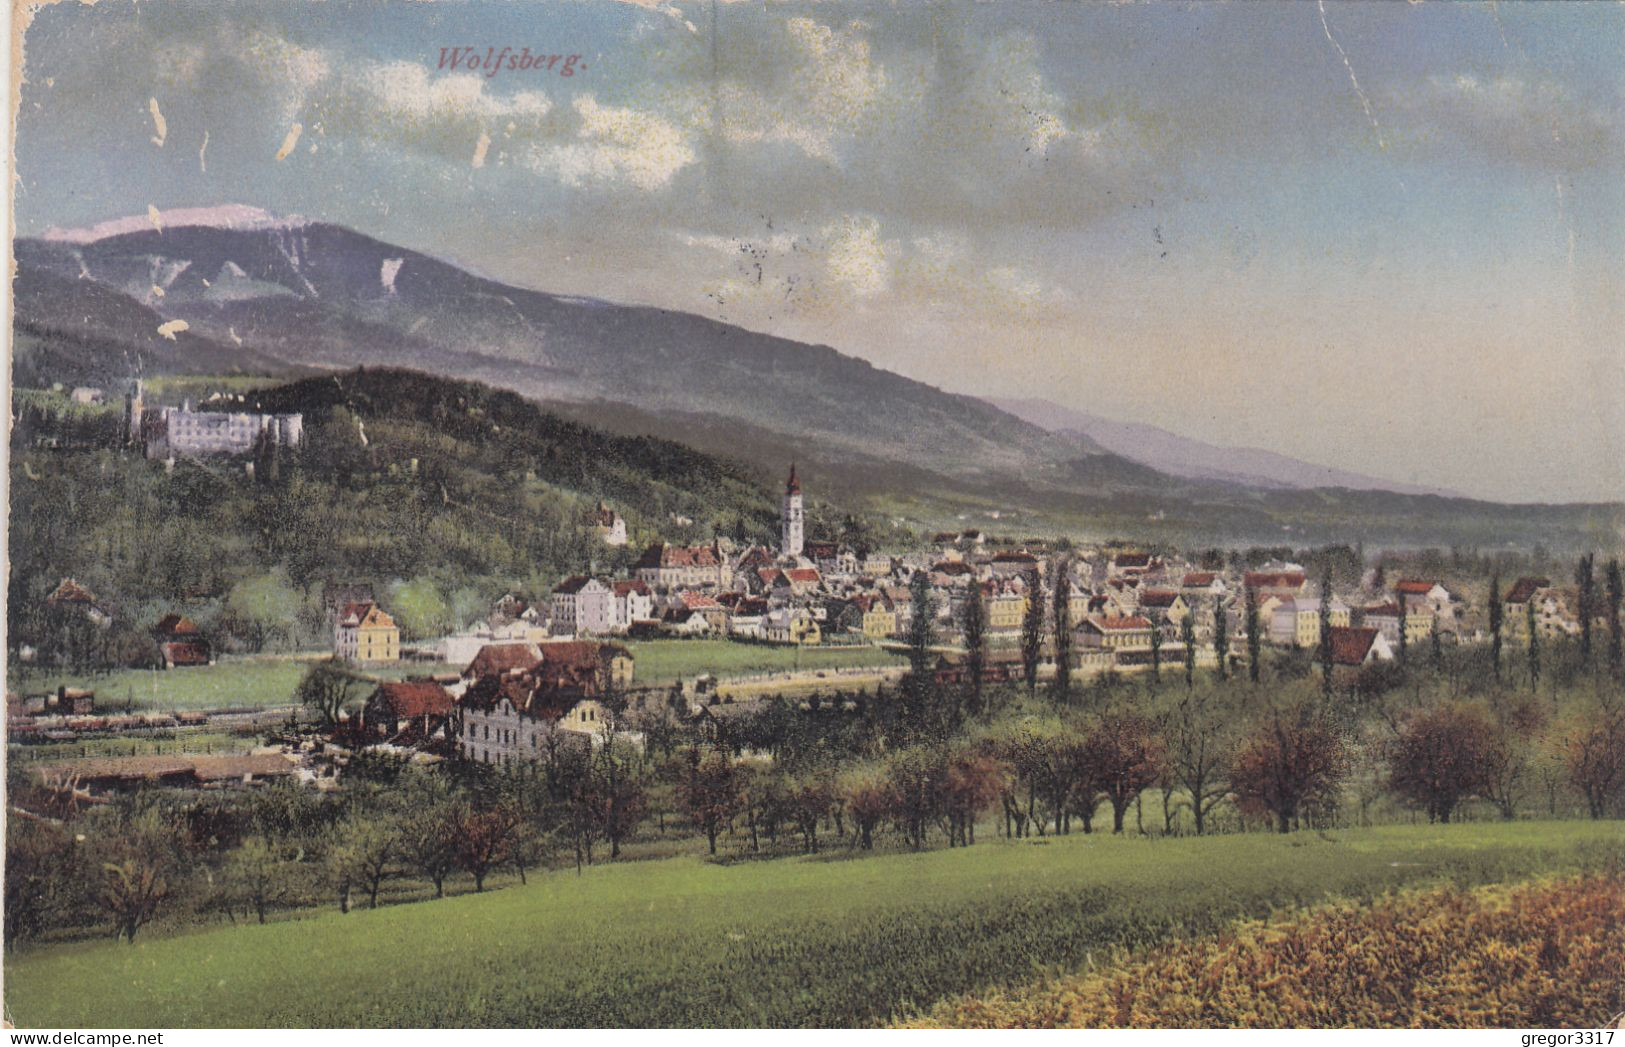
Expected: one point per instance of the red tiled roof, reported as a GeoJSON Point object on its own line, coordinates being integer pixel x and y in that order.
{"type": "Point", "coordinates": [1198, 579]}
{"type": "Point", "coordinates": [1351, 645]}
{"type": "Point", "coordinates": [581, 653]}
{"type": "Point", "coordinates": [1274, 579]}
{"type": "Point", "coordinates": [407, 699]}
{"type": "Point", "coordinates": [172, 624]}
{"type": "Point", "coordinates": [70, 591]}
{"type": "Point", "coordinates": [802, 574]}
{"type": "Point", "coordinates": [953, 567]}
{"type": "Point", "coordinates": [572, 585]}
{"type": "Point", "coordinates": [1158, 598]}
{"type": "Point", "coordinates": [1525, 588]}
{"type": "Point", "coordinates": [1125, 624]}
{"type": "Point", "coordinates": [496, 659]}
{"type": "Point", "coordinates": [663, 555]}
{"type": "Point", "coordinates": [1132, 559]}
{"type": "Point", "coordinates": [1414, 586]}
{"type": "Point", "coordinates": [633, 585]}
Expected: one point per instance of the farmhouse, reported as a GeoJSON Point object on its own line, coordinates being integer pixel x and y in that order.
{"type": "Point", "coordinates": [412, 710]}
{"type": "Point", "coordinates": [181, 643]}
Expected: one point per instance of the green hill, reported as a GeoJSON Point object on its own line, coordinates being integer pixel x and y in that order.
{"type": "Point", "coordinates": [799, 942]}
{"type": "Point", "coordinates": [442, 492]}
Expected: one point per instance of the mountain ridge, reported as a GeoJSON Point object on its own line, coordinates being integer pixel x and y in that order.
{"type": "Point", "coordinates": [1180, 455]}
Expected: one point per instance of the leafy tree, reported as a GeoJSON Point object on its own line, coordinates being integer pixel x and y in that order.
{"type": "Point", "coordinates": [868, 798]}
{"type": "Point", "coordinates": [140, 865]}
{"type": "Point", "coordinates": [482, 840]}
{"type": "Point", "coordinates": [1511, 753]}
{"type": "Point", "coordinates": [1440, 757]}
{"type": "Point", "coordinates": [374, 848]}
{"type": "Point", "coordinates": [258, 875]}
{"type": "Point", "coordinates": [1585, 581]}
{"type": "Point", "coordinates": [262, 609]}
{"type": "Point", "coordinates": [1156, 654]}
{"type": "Point", "coordinates": [1125, 757]}
{"type": "Point", "coordinates": [973, 624]}
{"type": "Point", "coordinates": [919, 692]}
{"type": "Point", "coordinates": [1496, 614]}
{"type": "Point", "coordinates": [420, 610]}
{"type": "Point", "coordinates": [1032, 628]}
{"type": "Point", "coordinates": [1616, 591]}
{"type": "Point", "coordinates": [1534, 643]}
{"type": "Point", "coordinates": [428, 830]}
{"type": "Point", "coordinates": [972, 782]}
{"type": "Point", "coordinates": [327, 689]}
{"type": "Point", "coordinates": [1187, 637]}
{"type": "Point", "coordinates": [1325, 623]}
{"type": "Point", "coordinates": [1063, 632]}
{"type": "Point", "coordinates": [1198, 739]}
{"type": "Point", "coordinates": [131, 894]}
{"type": "Point", "coordinates": [1593, 751]}
{"type": "Point", "coordinates": [41, 867]}
{"type": "Point", "coordinates": [1255, 642]}
{"type": "Point", "coordinates": [710, 793]}
{"type": "Point", "coordinates": [1292, 761]}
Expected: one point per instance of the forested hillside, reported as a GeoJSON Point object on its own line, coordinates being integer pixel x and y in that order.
{"type": "Point", "coordinates": [440, 493]}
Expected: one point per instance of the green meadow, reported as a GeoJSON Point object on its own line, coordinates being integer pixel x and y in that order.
{"type": "Point", "coordinates": [230, 683]}
{"type": "Point", "coordinates": [812, 941]}
{"type": "Point", "coordinates": [664, 661]}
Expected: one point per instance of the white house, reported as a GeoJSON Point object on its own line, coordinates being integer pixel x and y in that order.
{"type": "Point", "coordinates": [583, 605]}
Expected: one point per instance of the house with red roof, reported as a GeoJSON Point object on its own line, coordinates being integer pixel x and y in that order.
{"type": "Point", "coordinates": [1354, 646]}
{"type": "Point", "coordinates": [365, 634]}
{"type": "Point", "coordinates": [407, 711]}
{"type": "Point", "coordinates": [181, 643]}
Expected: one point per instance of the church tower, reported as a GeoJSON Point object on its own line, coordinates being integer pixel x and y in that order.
{"type": "Point", "coordinates": [790, 517]}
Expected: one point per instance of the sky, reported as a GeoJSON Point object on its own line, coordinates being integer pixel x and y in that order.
{"type": "Point", "coordinates": [1384, 237]}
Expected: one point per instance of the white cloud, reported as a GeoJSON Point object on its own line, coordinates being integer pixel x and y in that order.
{"type": "Point", "coordinates": [856, 258]}
{"type": "Point", "coordinates": [615, 144]}
{"type": "Point", "coordinates": [1539, 123]}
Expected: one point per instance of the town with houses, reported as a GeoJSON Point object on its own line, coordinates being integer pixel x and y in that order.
{"type": "Point", "coordinates": [560, 667]}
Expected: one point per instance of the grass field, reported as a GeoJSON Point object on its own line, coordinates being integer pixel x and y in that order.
{"type": "Point", "coordinates": [663, 661]}
{"type": "Point", "coordinates": [254, 682]}
{"type": "Point", "coordinates": [229, 683]}
{"type": "Point", "coordinates": [797, 942]}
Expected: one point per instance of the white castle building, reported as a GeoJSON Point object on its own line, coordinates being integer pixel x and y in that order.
{"type": "Point", "coordinates": [188, 433]}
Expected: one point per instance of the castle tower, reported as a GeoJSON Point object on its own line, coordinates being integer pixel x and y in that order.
{"type": "Point", "coordinates": [791, 520]}
{"type": "Point", "coordinates": [133, 408]}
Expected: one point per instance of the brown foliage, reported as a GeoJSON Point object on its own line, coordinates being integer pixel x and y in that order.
{"type": "Point", "coordinates": [1542, 955]}
{"type": "Point", "coordinates": [1287, 767]}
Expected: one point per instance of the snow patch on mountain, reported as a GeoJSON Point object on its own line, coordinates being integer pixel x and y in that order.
{"type": "Point", "coordinates": [224, 216]}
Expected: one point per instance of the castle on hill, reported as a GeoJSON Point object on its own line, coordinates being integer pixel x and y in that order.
{"type": "Point", "coordinates": [166, 432]}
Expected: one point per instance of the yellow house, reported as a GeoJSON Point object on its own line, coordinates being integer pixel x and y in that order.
{"type": "Point", "coordinates": [365, 633]}
{"type": "Point", "coordinates": [792, 626]}
{"type": "Point", "coordinates": [879, 620]}
{"type": "Point", "coordinates": [1005, 610]}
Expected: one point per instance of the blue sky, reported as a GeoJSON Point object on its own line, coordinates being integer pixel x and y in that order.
{"type": "Point", "coordinates": [1386, 237]}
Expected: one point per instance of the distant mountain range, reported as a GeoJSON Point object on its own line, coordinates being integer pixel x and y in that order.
{"type": "Point", "coordinates": [321, 295]}
{"type": "Point", "coordinates": [1183, 456]}
{"type": "Point", "coordinates": [234, 290]}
